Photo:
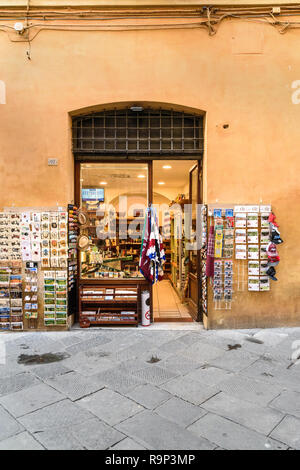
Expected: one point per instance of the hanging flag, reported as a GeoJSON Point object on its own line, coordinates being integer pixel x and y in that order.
{"type": "Point", "coordinates": [152, 256]}
{"type": "Point", "coordinates": [144, 263]}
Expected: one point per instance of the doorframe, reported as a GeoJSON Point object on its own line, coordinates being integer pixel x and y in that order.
{"type": "Point", "coordinates": [198, 167]}
{"type": "Point", "coordinates": [149, 162]}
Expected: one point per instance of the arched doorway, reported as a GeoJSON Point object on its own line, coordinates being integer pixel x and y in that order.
{"type": "Point", "coordinates": [143, 133]}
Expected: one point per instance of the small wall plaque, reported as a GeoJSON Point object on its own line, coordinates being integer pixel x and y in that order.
{"type": "Point", "coordinates": [52, 161]}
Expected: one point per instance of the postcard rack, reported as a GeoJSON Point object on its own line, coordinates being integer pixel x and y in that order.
{"type": "Point", "coordinates": [108, 305]}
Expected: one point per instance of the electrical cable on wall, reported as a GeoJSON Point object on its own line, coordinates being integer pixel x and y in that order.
{"type": "Point", "coordinates": [28, 52]}
{"type": "Point", "coordinates": [210, 18]}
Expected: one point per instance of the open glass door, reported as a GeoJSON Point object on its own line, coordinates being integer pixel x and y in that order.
{"type": "Point", "coordinates": [194, 279]}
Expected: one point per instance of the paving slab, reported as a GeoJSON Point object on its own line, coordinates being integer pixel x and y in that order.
{"type": "Point", "coordinates": [270, 338]}
{"type": "Point", "coordinates": [154, 352]}
{"type": "Point", "coordinates": [134, 351]}
{"type": "Point", "coordinates": [96, 435]}
{"type": "Point", "coordinates": [87, 344]}
{"type": "Point", "coordinates": [255, 346]}
{"type": "Point", "coordinates": [118, 381]}
{"type": "Point", "coordinates": [90, 364]}
{"type": "Point", "coordinates": [155, 432]}
{"type": "Point", "coordinates": [288, 431]}
{"type": "Point", "coordinates": [149, 396]}
{"type": "Point", "coordinates": [203, 352]}
{"type": "Point", "coordinates": [22, 441]}
{"type": "Point", "coordinates": [127, 444]}
{"type": "Point", "coordinates": [287, 402]}
{"type": "Point", "coordinates": [254, 391]}
{"type": "Point", "coordinates": [58, 439]}
{"type": "Point", "coordinates": [26, 345]}
{"type": "Point", "coordinates": [222, 342]}
{"type": "Point", "coordinates": [190, 390]}
{"type": "Point", "coordinates": [190, 338]}
{"type": "Point", "coordinates": [131, 365]}
{"type": "Point", "coordinates": [117, 344]}
{"type": "Point", "coordinates": [11, 368]}
{"type": "Point", "coordinates": [61, 414]}
{"type": "Point", "coordinates": [71, 339]}
{"type": "Point", "coordinates": [234, 361]}
{"type": "Point", "coordinates": [180, 411]}
{"type": "Point", "coordinates": [8, 425]}
{"type": "Point", "coordinates": [110, 406]}
{"type": "Point", "coordinates": [250, 415]}
{"type": "Point", "coordinates": [74, 385]}
{"type": "Point", "coordinates": [49, 347]}
{"type": "Point", "coordinates": [46, 371]}
{"type": "Point", "coordinates": [30, 399]}
{"type": "Point", "coordinates": [275, 372]}
{"type": "Point", "coordinates": [159, 337]}
{"type": "Point", "coordinates": [209, 375]}
{"type": "Point", "coordinates": [173, 346]}
{"type": "Point", "coordinates": [179, 364]}
{"type": "Point", "coordinates": [156, 375]}
{"type": "Point", "coordinates": [35, 343]}
{"type": "Point", "coordinates": [232, 436]}
{"type": "Point", "coordinates": [231, 336]}
{"type": "Point", "coordinates": [17, 382]}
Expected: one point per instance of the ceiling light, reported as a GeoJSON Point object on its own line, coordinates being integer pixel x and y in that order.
{"type": "Point", "coordinates": [137, 108]}
{"type": "Point", "coordinates": [161, 182]}
{"type": "Point", "coordinates": [141, 176]}
{"type": "Point", "coordinates": [103, 182]}
{"type": "Point", "coordinates": [167, 167]}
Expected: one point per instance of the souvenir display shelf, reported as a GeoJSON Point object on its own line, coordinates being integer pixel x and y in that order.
{"type": "Point", "coordinates": [109, 305]}
{"type": "Point", "coordinates": [11, 310]}
{"type": "Point", "coordinates": [73, 232]}
{"type": "Point", "coordinates": [35, 239]}
{"type": "Point", "coordinates": [240, 259]}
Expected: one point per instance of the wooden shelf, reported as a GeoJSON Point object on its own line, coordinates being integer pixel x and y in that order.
{"type": "Point", "coordinates": [122, 308]}
{"type": "Point", "coordinates": [106, 301]}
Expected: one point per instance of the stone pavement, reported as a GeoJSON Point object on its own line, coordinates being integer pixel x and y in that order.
{"type": "Point", "coordinates": [151, 389]}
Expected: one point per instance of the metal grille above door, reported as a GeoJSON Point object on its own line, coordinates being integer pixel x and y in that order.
{"type": "Point", "coordinates": [148, 132]}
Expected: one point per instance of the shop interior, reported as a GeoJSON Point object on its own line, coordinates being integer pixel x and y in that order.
{"type": "Point", "coordinates": [171, 191]}
{"type": "Point", "coordinates": [114, 231]}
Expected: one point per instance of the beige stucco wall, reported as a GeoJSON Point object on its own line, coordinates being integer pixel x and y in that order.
{"type": "Point", "coordinates": [242, 77]}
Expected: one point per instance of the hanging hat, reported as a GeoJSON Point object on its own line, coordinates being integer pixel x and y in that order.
{"type": "Point", "coordinates": [82, 218]}
{"type": "Point", "coordinates": [271, 273]}
{"type": "Point", "coordinates": [275, 237]}
{"type": "Point", "coordinates": [272, 219]}
{"type": "Point", "coordinates": [274, 228]}
{"type": "Point", "coordinates": [272, 263]}
{"type": "Point", "coordinates": [83, 242]}
{"type": "Point", "coordinates": [272, 252]}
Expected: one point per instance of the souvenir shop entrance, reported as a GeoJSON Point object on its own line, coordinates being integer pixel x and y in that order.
{"type": "Point", "coordinates": [126, 161]}
{"type": "Point", "coordinates": [176, 191]}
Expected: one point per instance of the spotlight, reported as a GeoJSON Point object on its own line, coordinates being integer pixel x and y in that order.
{"type": "Point", "coordinates": [136, 109]}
